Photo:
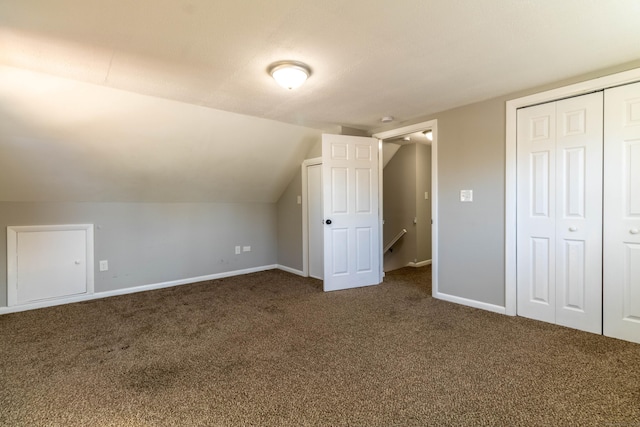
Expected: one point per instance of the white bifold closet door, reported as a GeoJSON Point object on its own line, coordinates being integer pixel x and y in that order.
{"type": "Point", "coordinates": [621, 305]}
{"type": "Point", "coordinates": [559, 219]}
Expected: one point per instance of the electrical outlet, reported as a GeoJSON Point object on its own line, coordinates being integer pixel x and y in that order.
{"type": "Point", "coordinates": [246, 249]}
{"type": "Point", "coordinates": [237, 250]}
{"type": "Point", "coordinates": [104, 265]}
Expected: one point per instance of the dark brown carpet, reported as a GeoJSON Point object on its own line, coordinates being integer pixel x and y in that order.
{"type": "Point", "coordinates": [272, 349]}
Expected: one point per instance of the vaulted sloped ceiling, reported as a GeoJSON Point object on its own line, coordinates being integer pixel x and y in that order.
{"type": "Point", "coordinates": [64, 140]}
{"type": "Point", "coordinates": [170, 100]}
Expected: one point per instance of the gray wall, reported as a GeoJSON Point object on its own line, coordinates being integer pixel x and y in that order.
{"type": "Point", "coordinates": [290, 225]}
{"type": "Point", "coordinates": [148, 243]}
{"type": "Point", "coordinates": [423, 207]}
{"type": "Point", "coordinates": [471, 235]}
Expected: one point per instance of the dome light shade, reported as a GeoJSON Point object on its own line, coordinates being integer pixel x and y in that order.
{"type": "Point", "coordinates": [289, 74]}
{"type": "Point", "coordinates": [429, 135]}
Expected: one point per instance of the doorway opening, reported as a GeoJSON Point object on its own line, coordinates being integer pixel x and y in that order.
{"type": "Point", "coordinates": [312, 223]}
{"type": "Point", "coordinates": [431, 200]}
{"type": "Point", "coordinates": [406, 209]}
{"type": "Point", "coordinates": [409, 197]}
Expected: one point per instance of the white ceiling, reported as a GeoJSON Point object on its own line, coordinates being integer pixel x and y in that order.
{"type": "Point", "coordinates": [370, 58]}
{"type": "Point", "coordinates": [166, 100]}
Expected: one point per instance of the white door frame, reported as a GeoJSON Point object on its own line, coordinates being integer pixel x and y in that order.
{"type": "Point", "coordinates": [305, 213]}
{"type": "Point", "coordinates": [512, 106]}
{"type": "Point", "coordinates": [418, 127]}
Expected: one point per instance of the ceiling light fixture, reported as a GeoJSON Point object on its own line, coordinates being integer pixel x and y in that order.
{"type": "Point", "coordinates": [289, 74]}
{"type": "Point", "coordinates": [387, 119]}
{"type": "Point", "coordinates": [429, 134]}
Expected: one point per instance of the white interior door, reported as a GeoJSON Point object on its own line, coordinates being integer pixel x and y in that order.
{"type": "Point", "coordinates": [350, 198]}
{"type": "Point", "coordinates": [314, 222]}
{"type": "Point", "coordinates": [559, 243]}
{"type": "Point", "coordinates": [622, 213]}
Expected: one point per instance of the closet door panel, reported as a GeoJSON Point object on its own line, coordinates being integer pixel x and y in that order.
{"type": "Point", "coordinates": [621, 305]}
{"type": "Point", "coordinates": [579, 212]}
{"type": "Point", "coordinates": [536, 245]}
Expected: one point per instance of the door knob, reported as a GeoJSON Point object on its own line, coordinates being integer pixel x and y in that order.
{"type": "Point", "coordinates": [77, 262]}
{"type": "Point", "coordinates": [573, 228]}
{"type": "Point", "coordinates": [328, 222]}
{"type": "Point", "coordinates": [634, 231]}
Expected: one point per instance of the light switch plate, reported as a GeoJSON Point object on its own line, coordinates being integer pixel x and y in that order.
{"type": "Point", "coordinates": [237, 250]}
{"type": "Point", "coordinates": [466, 195]}
{"type": "Point", "coordinates": [104, 265]}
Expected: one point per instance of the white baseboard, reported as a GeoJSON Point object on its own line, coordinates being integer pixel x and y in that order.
{"type": "Point", "coordinates": [470, 303]}
{"type": "Point", "coordinates": [419, 264]}
{"type": "Point", "coordinates": [291, 270]}
{"type": "Point", "coordinates": [124, 291]}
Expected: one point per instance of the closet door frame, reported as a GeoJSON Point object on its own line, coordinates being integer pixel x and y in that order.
{"type": "Point", "coordinates": [582, 88]}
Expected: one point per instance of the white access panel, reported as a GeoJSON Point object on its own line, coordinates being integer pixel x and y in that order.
{"type": "Point", "coordinates": [621, 305]}
{"type": "Point", "coordinates": [350, 198]}
{"type": "Point", "coordinates": [49, 262]}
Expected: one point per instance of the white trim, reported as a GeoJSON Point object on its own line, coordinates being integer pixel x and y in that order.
{"type": "Point", "coordinates": [291, 270]}
{"type": "Point", "coordinates": [305, 212]}
{"type": "Point", "coordinates": [512, 106]}
{"type": "Point", "coordinates": [470, 303]}
{"type": "Point", "coordinates": [135, 289]}
{"type": "Point", "coordinates": [381, 211]}
{"type": "Point", "coordinates": [434, 209]}
{"type": "Point", "coordinates": [510, 215]}
{"type": "Point", "coordinates": [12, 266]}
{"type": "Point", "coordinates": [12, 255]}
{"type": "Point", "coordinates": [418, 127]}
{"type": "Point", "coordinates": [433, 125]}
{"type": "Point", "coordinates": [419, 264]}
